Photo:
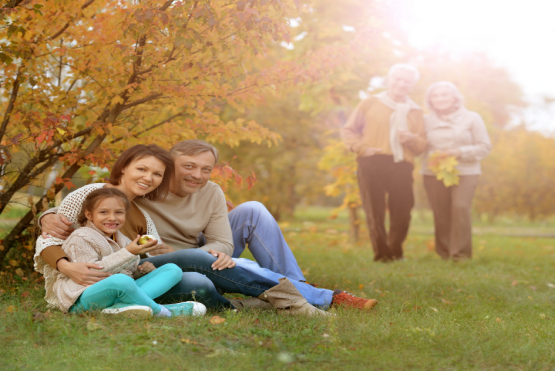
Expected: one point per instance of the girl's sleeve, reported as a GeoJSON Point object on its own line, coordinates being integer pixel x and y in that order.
{"type": "Point", "coordinates": [82, 248]}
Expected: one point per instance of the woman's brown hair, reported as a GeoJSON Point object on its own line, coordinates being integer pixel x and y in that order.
{"type": "Point", "coordinates": [141, 151]}
{"type": "Point", "coordinates": [94, 198]}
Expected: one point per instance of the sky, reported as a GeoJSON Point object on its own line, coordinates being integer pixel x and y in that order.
{"type": "Point", "coordinates": [518, 35]}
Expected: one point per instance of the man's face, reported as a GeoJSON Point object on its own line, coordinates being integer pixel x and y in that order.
{"type": "Point", "coordinates": [192, 173]}
{"type": "Point", "coordinates": [400, 83]}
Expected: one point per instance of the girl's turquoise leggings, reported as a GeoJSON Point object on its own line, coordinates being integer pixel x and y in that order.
{"type": "Point", "coordinates": [123, 289]}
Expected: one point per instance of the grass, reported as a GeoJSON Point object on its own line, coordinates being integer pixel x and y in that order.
{"type": "Point", "coordinates": [494, 312]}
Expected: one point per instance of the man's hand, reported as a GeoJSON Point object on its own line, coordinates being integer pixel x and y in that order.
{"type": "Point", "coordinates": [146, 267]}
{"type": "Point", "coordinates": [371, 151]}
{"type": "Point", "coordinates": [162, 249]}
{"type": "Point", "coordinates": [406, 137]}
{"type": "Point", "coordinates": [56, 225]}
{"type": "Point", "coordinates": [224, 261]}
{"type": "Point", "coordinates": [81, 273]}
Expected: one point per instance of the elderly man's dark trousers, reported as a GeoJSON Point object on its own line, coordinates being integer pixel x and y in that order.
{"type": "Point", "coordinates": [380, 178]}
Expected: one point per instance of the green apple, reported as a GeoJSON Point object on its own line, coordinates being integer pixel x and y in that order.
{"type": "Point", "coordinates": [145, 238]}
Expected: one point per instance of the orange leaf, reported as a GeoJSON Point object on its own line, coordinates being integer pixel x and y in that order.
{"type": "Point", "coordinates": [217, 320]}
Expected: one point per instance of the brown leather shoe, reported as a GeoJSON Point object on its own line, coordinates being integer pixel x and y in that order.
{"type": "Point", "coordinates": [343, 298]}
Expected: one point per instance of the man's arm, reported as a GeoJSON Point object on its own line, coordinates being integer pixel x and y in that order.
{"type": "Point", "coordinates": [218, 231]}
{"type": "Point", "coordinates": [418, 127]}
{"type": "Point", "coordinates": [351, 132]}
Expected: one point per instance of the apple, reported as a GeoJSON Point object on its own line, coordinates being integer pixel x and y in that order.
{"type": "Point", "coordinates": [145, 238]}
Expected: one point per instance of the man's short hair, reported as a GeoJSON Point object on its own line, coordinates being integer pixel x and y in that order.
{"type": "Point", "coordinates": [193, 147]}
{"type": "Point", "coordinates": [404, 67]}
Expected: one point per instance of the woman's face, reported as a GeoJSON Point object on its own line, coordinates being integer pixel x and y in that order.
{"type": "Point", "coordinates": [442, 98]}
{"type": "Point", "coordinates": [141, 176]}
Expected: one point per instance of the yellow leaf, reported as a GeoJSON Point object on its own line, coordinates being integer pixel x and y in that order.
{"type": "Point", "coordinates": [61, 131]}
{"type": "Point", "coordinates": [10, 309]}
{"type": "Point", "coordinates": [216, 320]}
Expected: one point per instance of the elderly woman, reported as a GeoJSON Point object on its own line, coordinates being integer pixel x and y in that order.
{"type": "Point", "coordinates": [454, 131]}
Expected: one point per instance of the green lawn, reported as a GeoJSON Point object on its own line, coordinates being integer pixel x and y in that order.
{"type": "Point", "coordinates": [492, 313]}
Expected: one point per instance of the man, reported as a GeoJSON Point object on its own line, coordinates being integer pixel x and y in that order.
{"type": "Point", "coordinates": [197, 205]}
{"type": "Point", "coordinates": [387, 131]}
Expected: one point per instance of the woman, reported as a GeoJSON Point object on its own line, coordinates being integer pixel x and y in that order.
{"type": "Point", "coordinates": [454, 131]}
{"type": "Point", "coordinates": [141, 171]}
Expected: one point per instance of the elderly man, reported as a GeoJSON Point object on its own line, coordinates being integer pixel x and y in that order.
{"type": "Point", "coordinates": [387, 131]}
{"type": "Point", "coordinates": [197, 205]}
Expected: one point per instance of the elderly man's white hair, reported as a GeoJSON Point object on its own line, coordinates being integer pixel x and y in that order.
{"type": "Point", "coordinates": [404, 67]}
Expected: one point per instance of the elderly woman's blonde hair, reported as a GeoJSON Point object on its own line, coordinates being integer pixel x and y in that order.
{"type": "Point", "coordinates": [459, 100]}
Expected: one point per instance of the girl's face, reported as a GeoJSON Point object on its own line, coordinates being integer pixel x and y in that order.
{"type": "Point", "coordinates": [141, 176]}
{"type": "Point", "coordinates": [442, 98]}
{"type": "Point", "coordinates": [108, 215]}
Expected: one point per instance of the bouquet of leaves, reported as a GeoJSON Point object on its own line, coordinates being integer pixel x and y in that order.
{"type": "Point", "coordinates": [443, 166]}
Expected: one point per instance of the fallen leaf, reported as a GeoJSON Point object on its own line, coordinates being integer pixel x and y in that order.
{"type": "Point", "coordinates": [446, 301]}
{"type": "Point", "coordinates": [92, 325]}
{"type": "Point", "coordinates": [256, 321]}
{"type": "Point", "coordinates": [10, 309]}
{"type": "Point", "coordinates": [514, 283]}
{"type": "Point", "coordinates": [19, 272]}
{"type": "Point", "coordinates": [499, 320]}
{"type": "Point", "coordinates": [551, 285]}
{"type": "Point", "coordinates": [361, 286]}
{"type": "Point", "coordinates": [216, 320]}
{"type": "Point", "coordinates": [25, 294]}
{"type": "Point", "coordinates": [38, 316]}
{"type": "Point", "coordinates": [434, 309]}
{"type": "Point", "coordinates": [533, 288]}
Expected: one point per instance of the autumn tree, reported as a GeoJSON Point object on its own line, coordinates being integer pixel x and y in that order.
{"type": "Point", "coordinates": [82, 81]}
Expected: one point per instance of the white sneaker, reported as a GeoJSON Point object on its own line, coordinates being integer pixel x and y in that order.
{"type": "Point", "coordinates": [132, 310]}
{"type": "Point", "coordinates": [187, 308]}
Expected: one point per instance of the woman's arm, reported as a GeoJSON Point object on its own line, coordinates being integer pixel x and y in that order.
{"type": "Point", "coordinates": [482, 144]}
{"type": "Point", "coordinates": [80, 247]}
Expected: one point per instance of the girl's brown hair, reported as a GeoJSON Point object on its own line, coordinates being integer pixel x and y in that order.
{"type": "Point", "coordinates": [94, 198]}
{"type": "Point", "coordinates": [141, 151]}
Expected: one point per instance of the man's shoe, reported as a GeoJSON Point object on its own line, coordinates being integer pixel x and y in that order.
{"type": "Point", "coordinates": [136, 311]}
{"type": "Point", "coordinates": [187, 308]}
{"type": "Point", "coordinates": [343, 298]}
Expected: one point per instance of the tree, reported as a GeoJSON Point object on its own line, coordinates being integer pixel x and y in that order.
{"type": "Point", "coordinates": [82, 82]}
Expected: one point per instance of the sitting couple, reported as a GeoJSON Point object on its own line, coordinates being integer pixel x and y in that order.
{"type": "Point", "coordinates": [169, 196]}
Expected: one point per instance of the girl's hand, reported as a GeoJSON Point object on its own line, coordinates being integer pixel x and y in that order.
{"type": "Point", "coordinates": [146, 267]}
{"type": "Point", "coordinates": [136, 249]}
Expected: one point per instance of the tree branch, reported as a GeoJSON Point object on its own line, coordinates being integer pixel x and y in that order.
{"type": "Point", "coordinates": [65, 27]}
{"type": "Point", "coordinates": [11, 103]}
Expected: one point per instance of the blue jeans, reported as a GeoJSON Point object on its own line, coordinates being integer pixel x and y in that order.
{"type": "Point", "coordinates": [251, 223]}
{"type": "Point", "coordinates": [203, 284]}
{"type": "Point", "coordinates": [124, 289]}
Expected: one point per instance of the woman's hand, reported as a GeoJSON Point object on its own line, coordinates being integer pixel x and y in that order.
{"type": "Point", "coordinates": [136, 249]}
{"type": "Point", "coordinates": [146, 267]}
{"type": "Point", "coordinates": [452, 152]}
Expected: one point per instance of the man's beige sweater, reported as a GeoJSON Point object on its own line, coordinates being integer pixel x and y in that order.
{"type": "Point", "coordinates": [179, 220]}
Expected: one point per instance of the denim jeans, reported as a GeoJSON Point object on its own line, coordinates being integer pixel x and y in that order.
{"type": "Point", "coordinates": [203, 284]}
{"type": "Point", "coordinates": [124, 289]}
{"type": "Point", "coordinates": [251, 223]}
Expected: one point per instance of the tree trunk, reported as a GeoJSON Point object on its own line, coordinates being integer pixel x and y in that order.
{"type": "Point", "coordinates": [354, 223]}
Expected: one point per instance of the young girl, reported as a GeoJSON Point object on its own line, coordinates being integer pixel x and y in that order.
{"type": "Point", "coordinates": [130, 288]}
